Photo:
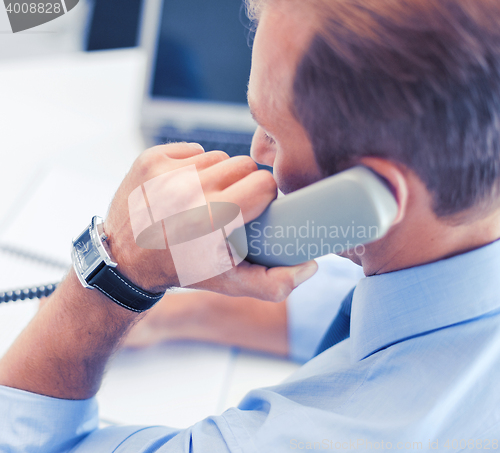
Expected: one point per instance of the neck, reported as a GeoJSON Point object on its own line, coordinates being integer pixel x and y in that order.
{"type": "Point", "coordinates": [420, 242]}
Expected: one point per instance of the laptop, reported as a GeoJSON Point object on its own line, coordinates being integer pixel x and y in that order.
{"type": "Point", "coordinates": [197, 74]}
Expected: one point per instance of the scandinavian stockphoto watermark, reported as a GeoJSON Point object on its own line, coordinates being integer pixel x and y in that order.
{"type": "Point", "coordinates": [24, 15]}
{"type": "Point", "coordinates": [171, 211]}
{"type": "Point", "coordinates": [370, 445]}
{"type": "Point", "coordinates": [308, 240]}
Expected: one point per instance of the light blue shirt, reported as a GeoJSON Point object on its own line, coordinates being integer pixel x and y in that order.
{"type": "Point", "coordinates": [313, 305]}
{"type": "Point", "coordinates": [421, 370]}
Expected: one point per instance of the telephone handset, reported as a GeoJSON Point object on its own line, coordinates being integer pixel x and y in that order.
{"type": "Point", "coordinates": [344, 211]}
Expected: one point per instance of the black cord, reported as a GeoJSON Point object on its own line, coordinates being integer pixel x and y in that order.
{"type": "Point", "coordinates": [35, 292]}
{"type": "Point", "coordinates": [29, 293]}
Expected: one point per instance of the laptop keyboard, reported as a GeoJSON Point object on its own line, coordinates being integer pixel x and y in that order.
{"type": "Point", "coordinates": [233, 143]}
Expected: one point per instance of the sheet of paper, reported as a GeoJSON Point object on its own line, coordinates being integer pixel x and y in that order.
{"type": "Point", "coordinates": [174, 384]}
{"type": "Point", "coordinates": [60, 207]}
{"type": "Point", "coordinates": [18, 272]}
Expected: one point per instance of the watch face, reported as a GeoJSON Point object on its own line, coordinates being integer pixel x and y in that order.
{"type": "Point", "coordinates": [86, 253]}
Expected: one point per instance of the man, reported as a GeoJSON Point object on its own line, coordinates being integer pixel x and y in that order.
{"type": "Point", "coordinates": [410, 89]}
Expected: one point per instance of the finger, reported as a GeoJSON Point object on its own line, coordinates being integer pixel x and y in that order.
{"type": "Point", "coordinates": [252, 194]}
{"type": "Point", "coordinates": [181, 150]}
{"type": "Point", "coordinates": [225, 173]}
{"type": "Point", "coordinates": [206, 160]}
{"type": "Point", "coordinates": [156, 160]}
{"type": "Point", "coordinates": [271, 284]}
{"type": "Point", "coordinates": [275, 284]}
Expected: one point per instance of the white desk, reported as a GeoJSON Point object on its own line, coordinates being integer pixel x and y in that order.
{"type": "Point", "coordinates": [80, 112]}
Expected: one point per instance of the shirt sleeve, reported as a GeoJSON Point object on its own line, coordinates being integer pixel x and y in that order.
{"type": "Point", "coordinates": [312, 306]}
{"type": "Point", "coordinates": [210, 435]}
{"type": "Point", "coordinates": [32, 423]}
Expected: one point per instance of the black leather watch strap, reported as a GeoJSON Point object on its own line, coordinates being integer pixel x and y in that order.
{"type": "Point", "coordinates": [122, 291]}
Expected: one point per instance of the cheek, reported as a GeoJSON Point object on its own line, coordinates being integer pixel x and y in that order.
{"type": "Point", "coordinates": [281, 173]}
{"type": "Point", "coordinates": [289, 176]}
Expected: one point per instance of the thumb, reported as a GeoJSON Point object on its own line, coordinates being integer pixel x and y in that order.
{"type": "Point", "coordinates": [304, 272]}
{"type": "Point", "coordinates": [252, 280]}
{"type": "Point", "coordinates": [279, 282]}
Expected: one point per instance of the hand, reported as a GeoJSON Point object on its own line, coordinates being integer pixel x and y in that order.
{"type": "Point", "coordinates": [170, 319]}
{"type": "Point", "coordinates": [209, 317]}
{"type": "Point", "coordinates": [147, 332]}
{"type": "Point", "coordinates": [235, 180]}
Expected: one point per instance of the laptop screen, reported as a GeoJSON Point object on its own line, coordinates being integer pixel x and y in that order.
{"type": "Point", "coordinates": [202, 52]}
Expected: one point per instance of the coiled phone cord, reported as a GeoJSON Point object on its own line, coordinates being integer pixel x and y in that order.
{"type": "Point", "coordinates": [29, 293]}
{"type": "Point", "coordinates": [34, 292]}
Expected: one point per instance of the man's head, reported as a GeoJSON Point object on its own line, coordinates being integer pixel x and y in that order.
{"type": "Point", "coordinates": [411, 87]}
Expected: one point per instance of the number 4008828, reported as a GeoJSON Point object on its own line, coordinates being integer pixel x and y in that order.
{"type": "Point", "coordinates": [34, 8]}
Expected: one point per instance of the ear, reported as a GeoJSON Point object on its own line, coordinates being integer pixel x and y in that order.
{"type": "Point", "coordinates": [396, 177]}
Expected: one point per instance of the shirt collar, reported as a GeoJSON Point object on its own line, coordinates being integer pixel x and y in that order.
{"type": "Point", "coordinates": [391, 307]}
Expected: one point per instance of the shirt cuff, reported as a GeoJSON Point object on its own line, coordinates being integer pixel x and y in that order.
{"type": "Point", "coordinates": [34, 423]}
{"type": "Point", "coordinates": [312, 306]}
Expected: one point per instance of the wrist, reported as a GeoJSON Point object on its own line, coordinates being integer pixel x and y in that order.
{"type": "Point", "coordinates": [143, 267]}
{"type": "Point", "coordinates": [78, 300]}
{"type": "Point", "coordinates": [96, 269]}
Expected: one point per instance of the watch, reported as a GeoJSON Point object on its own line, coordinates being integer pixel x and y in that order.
{"type": "Point", "coordinates": [96, 269]}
